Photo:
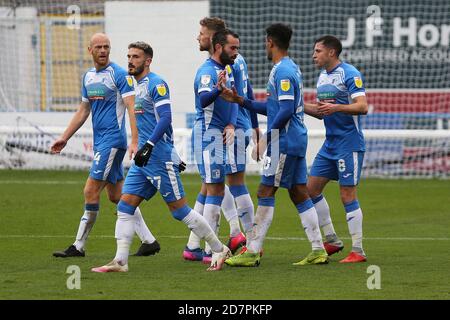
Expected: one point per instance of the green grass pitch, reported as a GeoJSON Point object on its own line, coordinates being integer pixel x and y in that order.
{"type": "Point", "coordinates": [406, 230]}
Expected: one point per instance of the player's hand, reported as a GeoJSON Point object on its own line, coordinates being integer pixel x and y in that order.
{"type": "Point", "coordinates": [228, 134]}
{"type": "Point", "coordinates": [230, 95]}
{"type": "Point", "coordinates": [222, 80]}
{"type": "Point", "coordinates": [182, 166]}
{"type": "Point", "coordinates": [132, 149]}
{"type": "Point", "coordinates": [256, 135]}
{"type": "Point", "coordinates": [259, 149]}
{"type": "Point", "coordinates": [325, 108]}
{"type": "Point", "coordinates": [143, 154]}
{"type": "Point", "coordinates": [58, 145]}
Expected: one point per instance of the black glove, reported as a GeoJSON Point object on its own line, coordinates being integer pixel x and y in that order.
{"type": "Point", "coordinates": [182, 166]}
{"type": "Point", "coordinates": [143, 154]}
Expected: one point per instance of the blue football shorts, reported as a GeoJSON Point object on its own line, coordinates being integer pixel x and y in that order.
{"type": "Point", "coordinates": [107, 164]}
{"type": "Point", "coordinates": [345, 168]}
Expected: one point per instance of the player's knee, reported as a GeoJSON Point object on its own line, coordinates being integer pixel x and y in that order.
{"type": "Point", "coordinates": [314, 190]}
{"type": "Point", "coordinates": [114, 198]}
{"type": "Point", "coordinates": [216, 189]}
{"type": "Point", "coordinates": [347, 199]}
{"type": "Point", "coordinates": [266, 191]}
{"type": "Point", "coordinates": [91, 195]}
{"type": "Point", "coordinates": [348, 194]}
{"type": "Point", "coordinates": [299, 194]}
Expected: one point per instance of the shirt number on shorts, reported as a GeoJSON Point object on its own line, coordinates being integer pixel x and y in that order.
{"type": "Point", "coordinates": [157, 180]}
{"type": "Point", "coordinates": [341, 165]}
{"type": "Point", "coordinates": [267, 162]}
{"type": "Point", "coordinates": [97, 156]}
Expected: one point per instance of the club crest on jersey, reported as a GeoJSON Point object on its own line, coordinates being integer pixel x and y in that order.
{"type": "Point", "coordinates": [358, 82]}
{"type": "Point", "coordinates": [285, 84]}
{"type": "Point", "coordinates": [161, 88]}
{"type": "Point", "coordinates": [206, 79]}
{"type": "Point", "coordinates": [129, 81]}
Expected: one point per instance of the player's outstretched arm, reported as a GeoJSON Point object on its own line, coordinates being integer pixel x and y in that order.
{"type": "Point", "coordinates": [252, 105]}
{"type": "Point", "coordinates": [359, 106]}
{"type": "Point", "coordinates": [311, 110]}
{"type": "Point", "coordinates": [253, 114]}
{"type": "Point", "coordinates": [206, 98]}
{"type": "Point", "coordinates": [259, 148]}
{"type": "Point", "coordinates": [78, 119]}
{"type": "Point", "coordinates": [133, 147]}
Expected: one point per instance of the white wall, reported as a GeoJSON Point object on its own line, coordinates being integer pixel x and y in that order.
{"type": "Point", "coordinates": [19, 62]}
{"type": "Point", "coordinates": [171, 28]}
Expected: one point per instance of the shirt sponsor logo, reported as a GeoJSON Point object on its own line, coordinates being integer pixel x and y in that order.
{"type": "Point", "coordinates": [161, 88]}
{"type": "Point", "coordinates": [358, 82]}
{"type": "Point", "coordinates": [285, 84]}
{"type": "Point", "coordinates": [138, 109]}
{"type": "Point", "coordinates": [96, 94]}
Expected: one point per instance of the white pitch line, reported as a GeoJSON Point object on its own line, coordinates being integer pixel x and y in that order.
{"type": "Point", "coordinates": [61, 182]}
{"type": "Point", "coordinates": [56, 182]}
{"type": "Point", "coordinates": [35, 236]}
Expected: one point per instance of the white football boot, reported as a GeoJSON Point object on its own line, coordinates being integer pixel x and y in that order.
{"type": "Point", "coordinates": [113, 266]}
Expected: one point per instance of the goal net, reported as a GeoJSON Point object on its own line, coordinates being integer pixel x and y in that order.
{"type": "Point", "coordinates": [402, 49]}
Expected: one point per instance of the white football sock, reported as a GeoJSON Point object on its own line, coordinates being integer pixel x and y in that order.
{"type": "Point", "coordinates": [244, 203]}
{"type": "Point", "coordinates": [200, 204]}
{"type": "Point", "coordinates": [310, 222]}
{"type": "Point", "coordinates": [230, 212]}
{"type": "Point", "coordinates": [354, 221]}
{"type": "Point", "coordinates": [246, 211]}
{"type": "Point", "coordinates": [87, 222]}
{"type": "Point", "coordinates": [124, 234]}
{"type": "Point", "coordinates": [201, 228]}
{"type": "Point", "coordinates": [323, 213]}
{"type": "Point", "coordinates": [141, 228]}
{"type": "Point", "coordinates": [235, 227]}
{"type": "Point", "coordinates": [263, 219]}
{"type": "Point", "coordinates": [194, 240]}
{"type": "Point", "coordinates": [211, 213]}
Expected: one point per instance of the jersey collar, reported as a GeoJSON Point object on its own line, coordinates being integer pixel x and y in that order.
{"type": "Point", "coordinates": [216, 63]}
{"type": "Point", "coordinates": [102, 69]}
{"type": "Point", "coordinates": [332, 70]}
{"type": "Point", "coordinates": [147, 76]}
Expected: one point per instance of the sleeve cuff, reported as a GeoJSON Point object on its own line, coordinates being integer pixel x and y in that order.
{"type": "Point", "coordinates": [162, 102]}
{"type": "Point", "coordinates": [286, 97]}
{"type": "Point", "coordinates": [204, 89]}
{"type": "Point", "coordinates": [127, 94]}
{"type": "Point", "coordinates": [358, 94]}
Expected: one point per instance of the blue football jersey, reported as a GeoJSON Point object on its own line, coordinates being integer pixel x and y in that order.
{"type": "Point", "coordinates": [285, 83]}
{"type": "Point", "coordinates": [104, 90]}
{"type": "Point", "coordinates": [343, 131]}
{"type": "Point", "coordinates": [240, 77]}
{"type": "Point", "coordinates": [217, 114]}
{"type": "Point", "coordinates": [151, 92]}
